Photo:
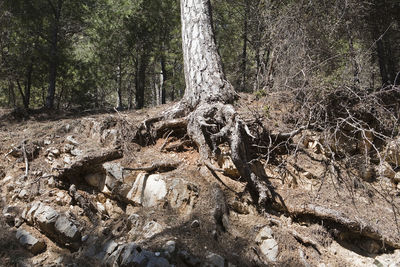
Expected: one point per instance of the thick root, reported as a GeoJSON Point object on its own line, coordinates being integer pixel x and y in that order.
{"type": "Point", "coordinates": [213, 124]}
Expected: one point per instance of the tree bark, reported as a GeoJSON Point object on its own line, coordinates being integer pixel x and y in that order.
{"type": "Point", "coordinates": [163, 78]}
{"type": "Point", "coordinates": [141, 80]}
{"type": "Point", "coordinates": [53, 64]}
{"type": "Point", "coordinates": [204, 76]}
{"type": "Point", "coordinates": [213, 120]}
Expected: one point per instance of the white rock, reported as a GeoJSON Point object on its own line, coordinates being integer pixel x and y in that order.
{"type": "Point", "coordinates": [70, 139]}
{"type": "Point", "coordinates": [268, 245]}
{"type": "Point", "coordinates": [155, 190]}
{"type": "Point", "coordinates": [67, 160]}
{"type": "Point", "coordinates": [7, 179]}
{"type": "Point", "coordinates": [265, 233]}
{"type": "Point", "coordinates": [76, 152]}
{"type": "Point", "coordinates": [101, 208]}
{"type": "Point", "coordinates": [270, 249]}
{"type": "Point", "coordinates": [151, 229]}
{"type": "Point", "coordinates": [23, 194]}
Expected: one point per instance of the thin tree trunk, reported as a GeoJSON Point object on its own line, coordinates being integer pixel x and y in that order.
{"type": "Point", "coordinates": [119, 84]}
{"type": "Point", "coordinates": [243, 69]}
{"type": "Point", "coordinates": [163, 78]}
{"type": "Point", "coordinates": [141, 80]}
{"type": "Point", "coordinates": [53, 65]}
{"type": "Point", "coordinates": [11, 95]}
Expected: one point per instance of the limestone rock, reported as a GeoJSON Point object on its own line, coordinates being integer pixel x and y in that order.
{"type": "Point", "coordinates": [393, 152]}
{"type": "Point", "coordinates": [182, 195]}
{"type": "Point", "coordinates": [396, 177]}
{"type": "Point", "coordinates": [52, 223]}
{"type": "Point", "coordinates": [30, 242]}
{"type": "Point", "coordinates": [268, 245]}
{"type": "Point", "coordinates": [147, 191]}
{"type": "Point", "coordinates": [151, 229]}
{"type": "Point", "coordinates": [270, 249]}
{"type": "Point", "coordinates": [71, 140]}
{"type": "Point", "coordinates": [129, 254]}
{"type": "Point", "coordinates": [385, 170]}
{"type": "Point", "coordinates": [155, 190]}
{"type": "Point", "coordinates": [67, 230]}
{"type": "Point", "coordinates": [114, 175]}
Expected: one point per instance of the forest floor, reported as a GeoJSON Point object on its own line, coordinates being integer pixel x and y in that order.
{"type": "Point", "coordinates": [322, 213]}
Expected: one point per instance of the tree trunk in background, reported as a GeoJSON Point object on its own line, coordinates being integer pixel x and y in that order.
{"type": "Point", "coordinates": [141, 80]}
{"type": "Point", "coordinates": [204, 77]}
{"type": "Point", "coordinates": [11, 95]}
{"type": "Point", "coordinates": [53, 62]}
{"type": "Point", "coordinates": [119, 89]}
{"type": "Point", "coordinates": [163, 78]}
{"type": "Point", "coordinates": [243, 66]}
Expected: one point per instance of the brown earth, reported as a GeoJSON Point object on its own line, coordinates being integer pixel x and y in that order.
{"type": "Point", "coordinates": [322, 214]}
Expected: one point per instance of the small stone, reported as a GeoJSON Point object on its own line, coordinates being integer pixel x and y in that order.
{"type": "Point", "coordinates": [170, 246]}
{"type": "Point", "coordinates": [7, 179]}
{"type": "Point", "coordinates": [71, 140]}
{"type": "Point", "coordinates": [47, 142]}
{"type": "Point", "coordinates": [396, 177]}
{"type": "Point", "coordinates": [31, 243]}
{"type": "Point", "coordinates": [101, 208]}
{"type": "Point", "coordinates": [67, 148]}
{"type": "Point", "coordinates": [76, 152]}
{"type": "Point", "coordinates": [67, 160]}
{"type": "Point", "coordinates": [265, 233]}
{"type": "Point", "coordinates": [50, 182]}
{"type": "Point", "coordinates": [23, 194]}
{"type": "Point", "coordinates": [270, 249]}
{"type": "Point", "coordinates": [195, 224]}
{"type": "Point", "coordinates": [84, 238]}
{"type": "Point", "coordinates": [18, 222]}
{"type": "Point", "coordinates": [55, 152]}
{"type": "Point", "coordinates": [151, 229]}
{"type": "Point", "coordinates": [216, 260]}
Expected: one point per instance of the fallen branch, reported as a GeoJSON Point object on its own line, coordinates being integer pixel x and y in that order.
{"type": "Point", "coordinates": [26, 159]}
{"type": "Point", "coordinates": [166, 141]}
{"type": "Point", "coordinates": [306, 240]}
{"type": "Point", "coordinates": [338, 219]}
{"type": "Point", "coordinates": [156, 167]}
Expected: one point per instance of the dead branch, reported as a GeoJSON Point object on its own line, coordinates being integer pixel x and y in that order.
{"type": "Point", "coordinates": [306, 240]}
{"type": "Point", "coordinates": [339, 219]}
{"type": "Point", "coordinates": [156, 167]}
{"type": "Point", "coordinates": [166, 141]}
{"type": "Point", "coordinates": [26, 159]}
{"type": "Point", "coordinates": [179, 146]}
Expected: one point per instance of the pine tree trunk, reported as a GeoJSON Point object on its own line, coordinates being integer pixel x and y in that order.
{"type": "Point", "coordinates": [213, 120]}
{"type": "Point", "coordinates": [204, 77]}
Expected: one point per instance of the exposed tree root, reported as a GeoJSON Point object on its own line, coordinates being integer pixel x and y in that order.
{"type": "Point", "coordinates": [305, 240]}
{"type": "Point", "coordinates": [90, 163]}
{"type": "Point", "coordinates": [338, 220]}
{"type": "Point", "coordinates": [157, 167]}
{"type": "Point", "coordinates": [213, 124]}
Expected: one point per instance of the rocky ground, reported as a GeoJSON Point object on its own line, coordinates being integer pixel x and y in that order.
{"type": "Point", "coordinates": [86, 191]}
